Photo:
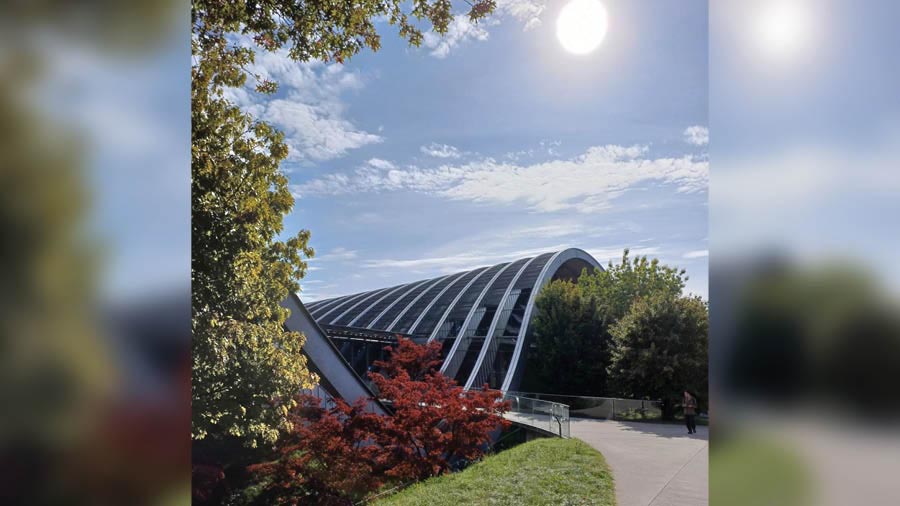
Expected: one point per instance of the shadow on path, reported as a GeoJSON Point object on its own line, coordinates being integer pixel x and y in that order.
{"type": "Point", "coordinates": [653, 464]}
{"type": "Point", "coordinates": [666, 430]}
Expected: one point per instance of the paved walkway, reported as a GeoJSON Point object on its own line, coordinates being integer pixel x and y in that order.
{"type": "Point", "coordinates": [653, 464]}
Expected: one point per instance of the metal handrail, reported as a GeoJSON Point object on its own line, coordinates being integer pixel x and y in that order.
{"type": "Point", "coordinates": [531, 411]}
{"type": "Point", "coordinates": [611, 408]}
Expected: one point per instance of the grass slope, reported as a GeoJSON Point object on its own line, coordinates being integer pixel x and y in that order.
{"type": "Point", "coordinates": [544, 471]}
{"type": "Point", "coordinates": [752, 470]}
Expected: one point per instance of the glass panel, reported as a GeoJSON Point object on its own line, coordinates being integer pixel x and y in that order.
{"type": "Point", "coordinates": [414, 312]}
{"type": "Point", "coordinates": [473, 337]}
{"type": "Point", "coordinates": [347, 315]}
{"type": "Point", "coordinates": [365, 319]}
{"type": "Point", "coordinates": [454, 321]}
{"type": "Point", "coordinates": [402, 303]}
{"type": "Point", "coordinates": [437, 310]}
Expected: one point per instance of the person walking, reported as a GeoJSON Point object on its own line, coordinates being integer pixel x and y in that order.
{"type": "Point", "coordinates": [690, 412]}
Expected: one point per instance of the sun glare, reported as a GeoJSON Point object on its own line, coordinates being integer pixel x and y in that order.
{"type": "Point", "coordinates": [581, 26]}
{"type": "Point", "coordinates": [783, 27]}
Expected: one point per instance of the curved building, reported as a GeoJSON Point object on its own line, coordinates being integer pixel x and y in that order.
{"type": "Point", "coordinates": [481, 317]}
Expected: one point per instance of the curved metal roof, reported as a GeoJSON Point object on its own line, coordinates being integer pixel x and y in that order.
{"type": "Point", "coordinates": [481, 316]}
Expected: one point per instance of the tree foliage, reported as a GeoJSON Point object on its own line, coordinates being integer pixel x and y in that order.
{"type": "Point", "coordinates": [342, 453]}
{"type": "Point", "coordinates": [435, 423]}
{"type": "Point", "coordinates": [619, 285]}
{"type": "Point", "coordinates": [326, 30]}
{"type": "Point", "coordinates": [659, 349]}
{"type": "Point", "coordinates": [328, 458]}
{"type": "Point", "coordinates": [830, 330]}
{"type": "Point", "coordinates": [244, 361]}
{"type": "Point", "coordinates": [573, 352]}
{"type": "Point", "coordinates": [55, 365]}
{"type": "Point", "coordinates": [573, 322]}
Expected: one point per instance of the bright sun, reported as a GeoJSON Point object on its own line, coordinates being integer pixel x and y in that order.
{"type": "Point", "coordinates": [581, 26]}
{"type": "Point", "coordinates": [783, 27]}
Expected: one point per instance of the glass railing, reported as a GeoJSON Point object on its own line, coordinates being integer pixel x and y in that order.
{"type": "Point", "coordinates": [607, 408]}
{"type": "Point", "coordinates": [549, 416]}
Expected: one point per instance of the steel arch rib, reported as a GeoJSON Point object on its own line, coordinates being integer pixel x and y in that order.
{"type": "Point", "coordinates": [329, 303]}
{"type": "Point", "coordinates": [342, 304]}
{"type": "Point", "coordinates": [415, 299]}
{"type": "Point", "coordinates": [459, 335]}
{"type": "Point", "coordinates": [434, 301]}
{"type": "Point", "coordinates": [366, 310]}
{"type": "Point", "coordinates": [546, 275]}
{"type": "Point", "coordinates": [489, 337]}
{"type": "Point", "coordinates": [392, 304]}
{"type": "Point", "coordinates": [354, 306]}
{"type": "Point", "coordinates": [453, 304]}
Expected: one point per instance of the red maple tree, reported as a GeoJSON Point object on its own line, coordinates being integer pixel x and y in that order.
{"type": "Point", "coordinates": [340, 454]}
{"type": "Point", "coordinates": [328, 458]}
{"type": "Point", "coordinates": [436, 424]}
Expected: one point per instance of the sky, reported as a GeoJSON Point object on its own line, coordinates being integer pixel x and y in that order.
{"type": "Point", "coordinates": [129, 109]}
{"type": "Point", "coordinates": [494, 143]}
{"type": "Point", "coordinates": [489, 144]}
{"type": "Point", "coordinates": [490, 134]}
{"type": "Point", "coordinates": [805, 116]}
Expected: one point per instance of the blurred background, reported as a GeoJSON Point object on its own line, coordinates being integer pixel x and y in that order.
{"type": "Point", "coordinates": [804, 221]}
{"type": "Point", "coordinates": [804, 233]}
{"type": "Point", "coordinates": [95, 210]}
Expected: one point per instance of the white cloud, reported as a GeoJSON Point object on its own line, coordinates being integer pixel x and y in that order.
{"type": "Point", "coordinates": [440, 150]}
{"type": "Point", "coordinates": [527, 11]}
{"type": "Point", "coordinates": [458, 262]}
{"type": "Point", "coordinates": [450, 263]}
{"type": "Point", "coordinates": [696, 135]}
{"type": "Point", "coordinates": [700, 253]}
{"type": "Point", "coordinates": [378, 163]}
{"type": "Point", "coordinates": [461, 29]}
{"type": "Point", "coordinates": [782, 198]}
{"type": "Point", "coordinates": [614, 254]}
{"type": "Point", "coordinates": [308, 108]}
{"type": "Point", "coordinates": [369, 218]}
{"type": "Point", "coordinates": [339, 254]}
{"type": "Point", "coordinates": [585, 183]}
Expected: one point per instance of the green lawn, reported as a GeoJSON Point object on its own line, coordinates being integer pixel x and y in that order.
{"type": "Point", "coordinates": [752, 470]}
{"type": "Point", "coordinates": [544, 471]}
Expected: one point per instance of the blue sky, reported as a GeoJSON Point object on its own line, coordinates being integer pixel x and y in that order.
{"type": "Point", "coordinates": [804, 142]}
{"type": "Point", "coordinates": [130, 109]}
{"type": "Point", "coordinates": [806, 131]}
{"type": "Point", "coordinates": [494, 143]}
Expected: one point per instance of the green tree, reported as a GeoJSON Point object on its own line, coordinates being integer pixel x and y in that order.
{"type": "Point", "coordinates": [619, 285]}
{"type": "Point", "coordinates": [572, 323]}
{"type": "Point", "coordinates": [573, 355]}
{"type": "Point", "coordinates": [659, 349]}
{"type": "Point", "coordinates": [828, 329]}
{"type": "Point", "coordinates": [243, 359]}
{"type": "Point", "coordinates": [55, 367]}
{"type": "Point", "coordinates": [244, 362]}
{"type": "Point", "coordinates": [328, 30]}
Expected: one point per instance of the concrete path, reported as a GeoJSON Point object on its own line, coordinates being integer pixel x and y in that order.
{"type": "Point", "coordinates": [653, 464]}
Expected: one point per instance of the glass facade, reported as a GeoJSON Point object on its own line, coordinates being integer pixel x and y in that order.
{"type": "Point", "coordinates": [481, 317]}
{"type": "Point", "coordinates": [385, 320]}
{"type": "Point", "coordinates": [473, 337]}
{"type": "Point", "coordinates": [329, 313]}
{"type": "Point", "coordinates": [348, 314]}
{"type": "Point", "coordinates": [506, 326]}
{"type": "Point", "coordinates": [427, 297]}
{"type": "Point", "coordinates": [427, 322]}
{"type": "Point", "coordinates": [448, 329]}
{"type": "Point", "coordinates": [364, 315]}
